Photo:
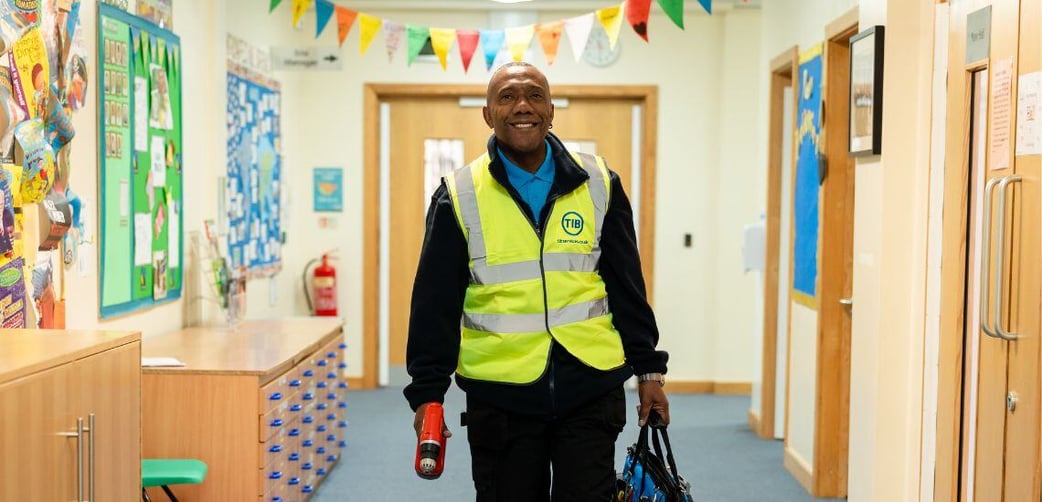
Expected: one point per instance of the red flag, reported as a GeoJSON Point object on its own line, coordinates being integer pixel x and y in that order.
{"type": "Point", "coordinates": [637, 15]}
{"type": "Point", "coordinates": [468, 43]}
{"type": "Point", "coordinates": [550, 37]}
{"type": "Point", "coordinates": [344, 19]}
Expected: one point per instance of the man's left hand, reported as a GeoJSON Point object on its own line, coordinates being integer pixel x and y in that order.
{"type": "Point", "coordinates": [652, 397]}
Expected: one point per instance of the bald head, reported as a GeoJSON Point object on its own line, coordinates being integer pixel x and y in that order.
{"type": "Point", "coordinates": [518, 108]}
{"type": "Point", "coordinates": [515, 68]}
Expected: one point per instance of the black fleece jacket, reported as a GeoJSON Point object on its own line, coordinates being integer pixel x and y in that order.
{"type": "Point", "coordinates": [441, 284]}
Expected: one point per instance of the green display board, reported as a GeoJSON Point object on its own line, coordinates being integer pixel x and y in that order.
{"type": "Point", "coordinates": [140, 163]}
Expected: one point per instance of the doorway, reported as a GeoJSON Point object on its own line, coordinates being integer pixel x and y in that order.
{"type": "Point", "coordinates": [616, 122]}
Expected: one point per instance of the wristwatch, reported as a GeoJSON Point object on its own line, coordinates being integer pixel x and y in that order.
{"type": "Point", "coordinates": [652, 377]}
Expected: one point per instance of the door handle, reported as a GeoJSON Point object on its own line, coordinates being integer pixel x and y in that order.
{"type": "Point", "coordinates": [79, 455]}
{"type": "Point", "coordinates": [982, 306]}
{"type": "Point", "coordinates": [846, 301]}
{"type": "Point", "coordinates": [93, 436]}
{"type": "Point", "coordinates": [1002, 189]}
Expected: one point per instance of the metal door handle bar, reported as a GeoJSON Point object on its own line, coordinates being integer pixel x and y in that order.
{"type": "Point", "coordinates": [1001, 240]}
{"type": "Point", "coordinates": [79, 455]}
{"type": "Point", "coordinates": [986, 257]}
{"type": "Point", "coordinates": [93, 437]}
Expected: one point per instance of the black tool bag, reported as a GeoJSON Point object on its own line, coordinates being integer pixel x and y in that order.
{"type": "Point", "coordinates": [650, 472]}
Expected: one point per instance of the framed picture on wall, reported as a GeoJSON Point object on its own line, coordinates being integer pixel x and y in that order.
{"type": "Point", "coordinates": [866, 92]}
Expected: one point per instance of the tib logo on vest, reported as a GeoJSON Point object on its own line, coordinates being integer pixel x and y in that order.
{"type": "Point", "coordinates": [572, 223]}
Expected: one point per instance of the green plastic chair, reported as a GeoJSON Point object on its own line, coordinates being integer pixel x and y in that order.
{"type": "Point", "coordinates": [163, 472]}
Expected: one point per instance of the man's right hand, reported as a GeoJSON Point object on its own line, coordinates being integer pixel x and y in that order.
{"type": "Point", "coordinates": [417, 422]}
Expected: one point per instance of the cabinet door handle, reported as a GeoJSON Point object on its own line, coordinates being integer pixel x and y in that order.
{"type": "Point", "coordinates": [79, 455]}
{"type": "Point", "coordinates": [93, 439]}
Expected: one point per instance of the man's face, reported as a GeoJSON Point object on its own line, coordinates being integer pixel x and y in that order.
{"type": "Point", "coordinates": [518, 108]}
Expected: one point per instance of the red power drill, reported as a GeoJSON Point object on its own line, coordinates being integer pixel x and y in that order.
{"type": "Point", "coordinates": [430, 450]}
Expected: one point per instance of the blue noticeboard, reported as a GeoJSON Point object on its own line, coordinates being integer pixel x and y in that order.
{"type": "Point", "coordinates": [806, 189]}
{"type": "Point", "coordinates": [329, 189]}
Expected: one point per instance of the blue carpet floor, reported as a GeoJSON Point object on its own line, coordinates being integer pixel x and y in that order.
{"type": "Point", "coordinates": [714, 449]}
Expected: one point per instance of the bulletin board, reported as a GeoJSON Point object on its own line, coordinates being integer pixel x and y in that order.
{"type": "Point", "coordinates": [806, 190]}
{"type": "Point", "coordinates": [254, 190]}
{"type": "Point", "coordinates": [140, 163]}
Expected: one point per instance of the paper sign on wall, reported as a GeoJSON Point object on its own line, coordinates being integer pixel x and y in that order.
{"type": "Point", "coordinates": [1001, 112]}
{"type": "Point", "coordinates": [1029, 114]}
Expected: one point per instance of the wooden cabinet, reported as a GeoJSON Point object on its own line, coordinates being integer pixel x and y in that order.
{"type": "Point", "coordinates": [51, 381]}
{"type": "Point", "coordinates": [262, 404]}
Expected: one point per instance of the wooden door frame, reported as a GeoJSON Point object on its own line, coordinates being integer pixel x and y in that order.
{"type": "Point", "coordinates": [374, 94]}
{"type": "Point", "coordinates": [783, 74]}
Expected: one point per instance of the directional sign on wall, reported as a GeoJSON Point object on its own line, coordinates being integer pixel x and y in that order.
{"type": "Point", "coordinates": [305, 58]}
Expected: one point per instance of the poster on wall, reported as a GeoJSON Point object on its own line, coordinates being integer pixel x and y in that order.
{"type": "Point", "coordinates": [806, 189]}
{"type": "Point", "coordinates": [329, 189]}
{"type": "Point", "coordinates": [141, 163]}
{"type": "Point", "coordinates": [254, 186]}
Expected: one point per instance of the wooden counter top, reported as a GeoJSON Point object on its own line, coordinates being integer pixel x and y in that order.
{"type": "Point", "coordinates": [24, 352]}
{"type": "Point", "coordinates": [257, 347]}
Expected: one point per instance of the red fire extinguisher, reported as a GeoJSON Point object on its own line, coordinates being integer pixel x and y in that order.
{"type": "Point", "coordinates": [324, 284]}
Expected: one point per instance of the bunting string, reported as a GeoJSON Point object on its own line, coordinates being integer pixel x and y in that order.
{"type": "Point", "coordinates": [517, 40]}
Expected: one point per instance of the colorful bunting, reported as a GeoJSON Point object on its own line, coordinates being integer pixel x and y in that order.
{"type": "Point", "coordinates": [549, 35]}
{"type": "Point", "coordinates": [518, 40]}
{"type": "Point", "coordinates": [393, 33]}
{"type": "Point", "coordinates": [299, 8]}
{"type": "Point", "coordinates": [611, 20]}
{"type": "Point", "coordinates": [675, 10]}
{"type": "Point", "coordinates": [468, 43]}
{"type": "Point", "coordinates": [441, 41]}
{"type": "Point", "coordinates": [707, 5]}
{"type": "Point", "coordinates": [637, 15]}
{"type": "Point", "coordinates": [578, 29]}
{"type": "Point", "coordinates": [418, 36]}
{"type": "Point", "coordinates": [369, 25]}
{"type": "Point", "coordinates": [491, 43]}
{"type": "Point", "coordinates": [274, 3]}
{"type": "Point", "coordinates": [344, 19]}
{"type": "Point", "coordinates": [323, 11]}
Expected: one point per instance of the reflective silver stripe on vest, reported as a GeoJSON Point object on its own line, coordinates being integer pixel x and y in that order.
{"type": "Point", "coordinates": [598, 192]}
{"type": "Point", "coordinates": [483, 274]}
{"type": "Point", "coordinates": [468, 210]}
{"type": "Point", "coordinates": [531, 323]}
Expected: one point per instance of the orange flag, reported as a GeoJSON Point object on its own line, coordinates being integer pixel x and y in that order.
{"type": "Point", "coordinates": [441, 42]}
{"type": "Point", "coordinates": [637, 15]}
{"type": "Point", "coordinates": [550, 38]}
{"type": "Point", "coordinates": [344, 19]}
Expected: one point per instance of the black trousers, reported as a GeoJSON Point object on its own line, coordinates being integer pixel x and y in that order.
{"type": "Point", "coordinates": [526, 459]}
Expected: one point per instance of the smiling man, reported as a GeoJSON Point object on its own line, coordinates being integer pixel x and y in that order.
{"type": "Point", "coordinates": [529, 289]}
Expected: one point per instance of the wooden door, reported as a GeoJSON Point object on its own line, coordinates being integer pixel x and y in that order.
{"type": "Point", "coordinates": [605, 123]}
{"type": "Point", "coordinates": [37, 453]}
{"type": "Point", "coordinates": [109, 384]}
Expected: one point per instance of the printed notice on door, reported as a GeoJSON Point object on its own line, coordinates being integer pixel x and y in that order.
{"type": "Point", "coordinates": [1029, 114]}
{"type": "Point", "coordinates": [1001, 111]}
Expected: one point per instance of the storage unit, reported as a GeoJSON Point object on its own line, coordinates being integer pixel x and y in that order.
{"type": "Point", "coordinates": [263, 404]}
{"type": "Point", "coordinates": [70, 415]}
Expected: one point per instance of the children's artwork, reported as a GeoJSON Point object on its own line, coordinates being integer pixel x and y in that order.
{"type": "Point", "coordinates": [43, 291]}
{"type": "Point", "coordinates": [12, 294]}
{"type": "Point", "coordinates": [806, 191]}
{"type": "Point", "coordinates": [141, 176]}
{"type": "Point", "coordinates": [38, 161]}
{"type": "Point", "coordinates": [160, 12]}
{"type": "Point", "coordinates": [161, 117]}
{"type": "Point", "coordinates": [60, 130]}
{"type": "Point", "coordinates": [254, 200]}
{"type": "Point", "coordinates": [30, 73]}
{"type": "Point", "coordinates": [16, 18]}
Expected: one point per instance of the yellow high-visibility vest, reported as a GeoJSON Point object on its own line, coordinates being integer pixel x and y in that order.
{"type": "Point", "coordinates": [525, 292]}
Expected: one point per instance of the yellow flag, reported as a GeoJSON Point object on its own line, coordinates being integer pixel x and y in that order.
{"type": "Point", "coordinates": [441, 41]}
{"type": "Point", "coordinates": [611, 20]}
{"type": "Point", "coordinates": [369, 25]}
{"type": "Point", "coordinates": [299, 8]}
{"type": "Point", "coordinates": [518, 40]}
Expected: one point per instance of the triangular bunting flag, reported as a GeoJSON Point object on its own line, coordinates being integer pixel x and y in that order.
{"type": "Point", "coordinates": [675, 10]}
{"type": "Point", "coordinates": [549, 35]}
{"type": "Point", "coordinates": [299, 8]}
{"type": "Point", "coordinates": [323, 11]}
{"type": "Point", "coordinates": [611, 20]}
{"type": "Point", "coordinates": [369, 25]}
{"type": "Point", "coordinates": [344, 19]}
{"type": "Point", "coordinates": [707, 5]}
{"type": "Point", "coordinates": [491, 43]}
{"type": "Point", "coordinates": [152, 46]}
{"type": "Point", "coordinates": [274, 3]}
{"type": "Point", "coordinates": [169, 63]}
{"type": "Point", "coordinates": [578, 29]}
{"type": "Point", "coordinates": [418, 36]}
{"type": "Point", "coordinates": [441, 41]}
{"type": "Point", "coordinates": [392, 37]}
{"type": "Point", "coordinates": [468, 43]}
{"type": "Point", "coordinates": [637, 15]}
{"type": "Point", "coordinates": [518, 40]}
{"type": "Point", "coordinates": [177, 60]}
{"type": "Point", "coordinates": [162, 52]}
{"type": "Point", "coordinates": [135, 37]}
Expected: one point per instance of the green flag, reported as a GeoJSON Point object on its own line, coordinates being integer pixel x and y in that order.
{"type": "Point", "coordinates": [417, 36]}
{"type": "Point", "coordinates": [674, 9]}
{"type": "Point", "coordinates": [274, 3]}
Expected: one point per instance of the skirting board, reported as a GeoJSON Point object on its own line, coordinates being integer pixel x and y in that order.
{"type": "Point", "coordinates": [799, 470]}
{"type": "Point", "coordinates": [722, 388]}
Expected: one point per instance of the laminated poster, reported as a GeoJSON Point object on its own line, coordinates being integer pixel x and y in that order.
{"type": "Point", "coordinates": [12, 294]}
{"type": "Point", "coordinates": [16, 17]}
{"type": "Point", "coordinates": [30, 73]}
{"type": "Point", "coordinates": [38, 166]}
